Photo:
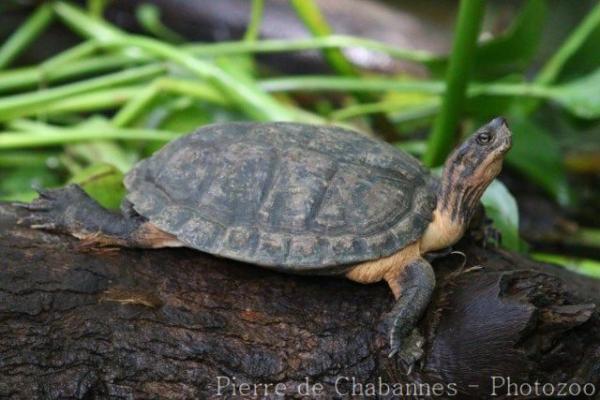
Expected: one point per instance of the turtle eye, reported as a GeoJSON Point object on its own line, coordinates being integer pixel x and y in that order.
{"type": "Point", "coordinates": [484, 137]}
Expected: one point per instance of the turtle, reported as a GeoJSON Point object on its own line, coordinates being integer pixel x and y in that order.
{"type": "Point", "coordinates": [296, 198]}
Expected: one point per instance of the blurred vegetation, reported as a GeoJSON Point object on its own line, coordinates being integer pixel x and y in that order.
{"type": "Point", "coordinates": [88, 114]}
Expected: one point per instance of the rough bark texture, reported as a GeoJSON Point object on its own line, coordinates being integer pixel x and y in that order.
{"type": "Point", "coordinates": [166, 323]}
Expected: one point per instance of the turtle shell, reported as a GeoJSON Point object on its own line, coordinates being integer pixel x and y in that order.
{"type": "Point", "coordinates": [291, 196]}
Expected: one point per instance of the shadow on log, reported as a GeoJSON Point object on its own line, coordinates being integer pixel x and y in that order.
{"type": "Point", "coordinates": [167, 323]}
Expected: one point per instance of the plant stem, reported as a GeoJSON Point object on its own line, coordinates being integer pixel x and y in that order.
{"type": "Point", "coordinates": [25, 125]}
{"type": "Point", "coordinates": [26, 33]}
{"type": "Point", "coordinates": [106, 99]}
{"type": "Point", "coordinates": [309, 13]}
{"type": "Point", "coordinates": [23, 159]}
{"type": "Point", "coordinates": [327, 42]}
{"type": "Point", "coordinates": [246, 95]}
{"type": "Point", "coordinates": [84, 24]}
{"type": "Point", "coordinates": [194, 89]}
{"type": "Point", "coordinates": [401, 113]}
{"type": "Point", "coordinates": [344, 84]}
{"type": "Point", "coordinates": [73, 67]}
{"type": "Point", "coordinates": [38, 76]}
{"type": "Point", "coordinates": [19, 104]}
{"type": "Point", "coordinates": [256, 15]}
{"type": "Point", "coordinates": [75, 53]}
{"type": "Point", "coordinates": [136, 104]}
{"type": "Point", "coordinates": [442, 136]}
{"type": "Point", "coordinates": [96, 7]}
{"type": "Point", "coordinates": [140, 101]}
{"type": "Point", "coordinates": [53, 137]}
{"type": "Point", "coordinates": [148, 16]}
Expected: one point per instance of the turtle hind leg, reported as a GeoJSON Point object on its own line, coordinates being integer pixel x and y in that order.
{"type": "Point", "coordinates": [70, 210]}
{"type": "Point", "coordinates": [413, 288]}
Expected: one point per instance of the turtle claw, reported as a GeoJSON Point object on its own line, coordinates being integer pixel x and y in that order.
{"type": "Point", "coordinates": [36, 206]}
{"type": "Point", "coordinates": [46, 226]}
{"type": "Point", "coordinates": [23, 206]}
{"type": "Point", "coordinates": [412, 350]}
{"type": "Point", "coordinates": [408, 349]}
{"type": "Point", "coordinates": [434, 255]}
{"type": "Point", "coordinates": [49, 210]}
{"type": "Point", "coordinates": [43, 193]}
{"type": "Point", "coordinates": [38, 218]}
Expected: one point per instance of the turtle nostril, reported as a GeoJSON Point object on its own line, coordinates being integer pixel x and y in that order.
{"type": "Point", "coordinates": [498, 122]}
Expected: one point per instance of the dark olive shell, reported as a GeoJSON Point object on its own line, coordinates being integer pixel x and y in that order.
{"type": "Point", "coordinates": [292, 196]}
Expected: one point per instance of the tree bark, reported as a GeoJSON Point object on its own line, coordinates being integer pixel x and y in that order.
{"type": "Point", "coordinates": [80, 323]}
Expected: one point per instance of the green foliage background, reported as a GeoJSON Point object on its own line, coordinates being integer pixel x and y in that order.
{"type": "Point", "coordinates": [88, 114]}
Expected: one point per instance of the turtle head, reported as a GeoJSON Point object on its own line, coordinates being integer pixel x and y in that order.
{"type": "Point", "coordinates": [472, 167]}
{"type": "Point", "coordinates": [478, 160]}
{"type": "Point", "coordinates": [467, 173]}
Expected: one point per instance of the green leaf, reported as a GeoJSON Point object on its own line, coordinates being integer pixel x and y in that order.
{"type": "Point", "coordinates": [103, 182]}
{"type": "Point", "coordinates": [104, 152]}
{"type": "Point", "coordinates": [580, 265]}
{"type": "Point", "coordinates": [537, 155]}
{"type": "Point", "coordinates": [581, 96]}
{"type": "Point", "coordinates": [501, 207]}
{"type": "Point", "coordinates": [184, 115]}
{"type": "Point", "coordinates": [16, 183]}
{"type": "Point", "coordinates": [509, 51]}
{"type": "Point", "coordinates": [515, 47]}
{"type": "Point", "coordinates": [583, 37]}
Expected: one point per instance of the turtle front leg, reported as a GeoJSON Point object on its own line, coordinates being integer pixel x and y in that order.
{"type": "Point", "coordinates": [413, 287]}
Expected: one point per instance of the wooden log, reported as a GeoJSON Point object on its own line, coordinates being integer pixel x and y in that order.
{"type": "Point", "coordinates": [179, 324]}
